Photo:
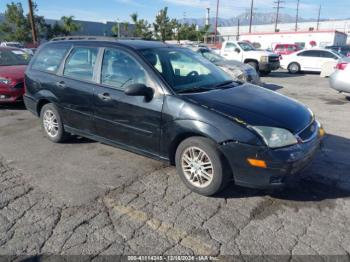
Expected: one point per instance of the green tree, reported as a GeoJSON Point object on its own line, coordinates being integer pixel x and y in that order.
{"type": "Point", "coordinates": [54, 30]}
{"type": "Point", "coordinates": [163, 27]}
{"type": "Point", "coordinates": [69, 26]}
{"type": "Point", "coordinates": [142, 27]}
{"type": "Point", "coordinates": [15, 26]}
{"type": "Point", "coordinates": [115, 29]}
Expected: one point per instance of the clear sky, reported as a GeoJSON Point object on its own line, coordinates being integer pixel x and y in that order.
{"type": "Point", "coordinates": [111, 10]}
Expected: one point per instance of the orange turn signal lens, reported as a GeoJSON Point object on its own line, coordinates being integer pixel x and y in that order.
{"type": "Point", "coordinates": [257, 163]}
{"type": "Point", "coordinates": [322, 132]}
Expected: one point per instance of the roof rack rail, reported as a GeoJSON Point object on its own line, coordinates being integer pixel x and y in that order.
{"type": "Point", "coordinates": [93, 38]}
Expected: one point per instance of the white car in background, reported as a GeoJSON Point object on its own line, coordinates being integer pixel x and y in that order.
{"type": "Point", "coordinates": [340, 80]}
{"type": "Point", "coordinates": [312, 60]}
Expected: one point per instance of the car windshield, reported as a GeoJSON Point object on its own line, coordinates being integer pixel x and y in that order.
{"type": "Point", "coordinates": [246, 46]}
{"type": "Point", "coordinates": [185, 70]}
{"type": "Point", "coordinates": [211, 56]}
{"type": "Point", "coordinates": [13, 57]}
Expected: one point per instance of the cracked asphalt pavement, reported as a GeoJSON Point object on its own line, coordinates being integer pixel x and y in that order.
{"type": "Point", "coordinates": [83, 197]}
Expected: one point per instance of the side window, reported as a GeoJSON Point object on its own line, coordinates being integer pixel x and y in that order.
{"type": "Point", "coordinates": [50, 57]}
{"type": "Point", "coordinates": [119, 70]}
{"type": "Point", "coordinates": [80, 63]}
{"type": "Point", "coordinates": [325, 54]}
{"type": "Point", "coordinates": [310, 54]}
{"type": "Point", "coordinates": [230, 46]}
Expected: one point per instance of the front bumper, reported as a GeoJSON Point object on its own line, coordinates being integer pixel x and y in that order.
{"type": "Point", "coordinates": [10, 95]}
{"type": "Point", "coordinates": [270, 66]}
{"type": "Point", "coordinates": [281, 163]}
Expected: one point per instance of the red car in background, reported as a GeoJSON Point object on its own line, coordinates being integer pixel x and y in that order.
{"type": "Point", "coordinates": [286, 49]}
{"type": "Point", "coordinates": [13, 62]}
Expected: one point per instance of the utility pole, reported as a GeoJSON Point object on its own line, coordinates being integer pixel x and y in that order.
{"type": "Point", "coordinates": [238, 29]}
{"type": "Point", "coordinates": [319, 17]}
{"type": "Point", "coordinates": [278, 6]}
{"type": "Point", "coordinates": [32, 23]}
{"type": "Point", "coordinates": [207, 22]}
{"type": "Point", "coordinates": [251, 16]}
{"type": "Point", "coordinates": [297, 17]}
{"type": "Point", "coordinates": [216, 20]}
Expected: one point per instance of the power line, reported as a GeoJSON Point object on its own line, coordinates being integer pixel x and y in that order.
{"type": "Point", "coordinates": [278, 6]}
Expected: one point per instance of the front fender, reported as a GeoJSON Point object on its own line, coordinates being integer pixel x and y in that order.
{"type": "Point", "coordinates": [175, 131]}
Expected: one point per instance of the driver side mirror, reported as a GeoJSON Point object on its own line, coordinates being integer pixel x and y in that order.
{"type": "Point", "coordinates": [237, 50]}
{"type": "Point", "coordinates": [139, 90]}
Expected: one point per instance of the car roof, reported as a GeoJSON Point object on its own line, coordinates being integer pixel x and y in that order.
{"type": "Point", "coordinates": [134, 44]}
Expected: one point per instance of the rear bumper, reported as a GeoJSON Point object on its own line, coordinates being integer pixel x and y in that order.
{"type": "Point", "coordinates": [281, 163]}
{"type": "Point", "coordinates": [339, 82]}
{"type": "Point", "coordinates": [30, 104]}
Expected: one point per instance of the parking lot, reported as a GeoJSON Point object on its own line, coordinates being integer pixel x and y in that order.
{"type": "Point", "coordinates": [84, 197]}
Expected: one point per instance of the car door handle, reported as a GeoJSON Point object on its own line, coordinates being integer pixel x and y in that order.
{"type": "Point", "coordinates": [104, 96]}
{"type": "Point", "coordinates": [61, 84]}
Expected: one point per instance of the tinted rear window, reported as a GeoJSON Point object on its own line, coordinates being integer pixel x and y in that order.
{"type": "Point", "coordinates": [50, 57]}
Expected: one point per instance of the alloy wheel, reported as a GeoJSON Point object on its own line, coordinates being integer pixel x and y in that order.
{"type": "Point", "coordinates": [197, 167]}
{"type": "Point", "coordinates": [50, 123]}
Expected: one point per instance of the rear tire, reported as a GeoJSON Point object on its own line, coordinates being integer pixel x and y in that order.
{"type": "Point", "coordinates": [200, 166]}
{"type": "Point", "coordinates": [294, 68]}
{"type": "Point", "coordinates": [52, 124]}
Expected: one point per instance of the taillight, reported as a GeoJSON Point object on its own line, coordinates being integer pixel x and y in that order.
{"type": "Point", "coordinates": [341, 66]}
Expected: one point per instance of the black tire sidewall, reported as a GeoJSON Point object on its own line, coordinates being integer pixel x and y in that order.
{"type": "Point", "coordinates": [221, 177]}
{"type": "Point", "coordinates": [61, 136]}
{"type": "Point", "coordinates": [255, 65]}
{"type": "Point", "coordinates": [291, 71]}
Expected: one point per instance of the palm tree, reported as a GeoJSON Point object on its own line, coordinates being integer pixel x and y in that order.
{"type": "Point", "coordinates": [69, 26]}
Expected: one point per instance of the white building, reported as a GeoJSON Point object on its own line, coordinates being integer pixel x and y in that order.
{"type": "Point", "coordinates": [329, 33]}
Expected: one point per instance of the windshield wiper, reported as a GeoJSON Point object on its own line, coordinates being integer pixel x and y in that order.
{"type": "Point", "coordinates": [195, 89]}
{"type": "Point", "coordinates": [225, 83]}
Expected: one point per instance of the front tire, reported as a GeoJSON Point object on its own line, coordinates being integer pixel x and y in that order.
{"type": "Point", "coordinates": [200, 166]}
{"type": "Point", "coordinates": [294, 68]}
{"type": "Point", "coordinates": [255, 65]}
{"type": "Point", "coordinates": [52, 124]}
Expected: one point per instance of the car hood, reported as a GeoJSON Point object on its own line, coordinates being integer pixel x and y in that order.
{"type": "Point", "coordinates": [256, 106]}
{"type": "Point", "coordinates": [263, 53]}
{"type": "Point", "coordinates": [232, 64]}
{"type": "Point", "coordinates": [13, 72]}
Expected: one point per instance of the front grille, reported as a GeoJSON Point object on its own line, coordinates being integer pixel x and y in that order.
{"type": "Point", "coordinates": [309, 133]}
{"type": "Point", "coordinates": [274, 59]}
{"type": "Point", "coordinates": [19, 86]}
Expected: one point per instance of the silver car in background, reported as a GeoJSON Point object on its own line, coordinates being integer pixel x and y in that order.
{"type": "Point", "coordinates": [340, 79]}
{"type": "Point", "coordinates": [237, 70]}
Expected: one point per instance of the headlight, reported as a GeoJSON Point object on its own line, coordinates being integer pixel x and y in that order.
{"type": "Point", "coordinates": [4, 81]}
{"type": "Point", "coordinates": [264, 59]}
{"type": "Point", "coordinates": [275, 137]}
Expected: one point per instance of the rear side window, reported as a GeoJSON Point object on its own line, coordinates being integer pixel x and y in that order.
{"type": "Point", "coordinates": [49, 58]}
{"type": "Point", "coordinates": [80, 63]}
{"type": "Point", "coordinates": [325, 54]}
{"type": "Point", "coordinates": [310, 53]}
